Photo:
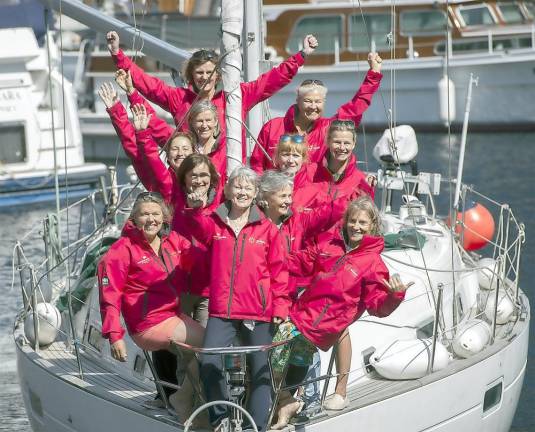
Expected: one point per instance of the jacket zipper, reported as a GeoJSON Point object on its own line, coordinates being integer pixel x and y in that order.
{"type": "Point", "coordinates": [263, 298]}
{"type": "Point", "coordinates": [288, 243]}
{"type": "Point", "coordinates": [321, 315]}
{"type": "Point", "coordinates": [242, 248]}
{"type": "Point", "coordinates": [167, 270]}
{"type": "Point", "coordinates": [232, 271]}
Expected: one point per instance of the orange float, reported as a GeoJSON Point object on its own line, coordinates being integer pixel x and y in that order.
{"type": "Point", "coordinates": [478, 226]}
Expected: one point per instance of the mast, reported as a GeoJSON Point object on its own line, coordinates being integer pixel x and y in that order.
{"type": "Point", "coordinates": [231, 66]}
{"type": "Point", "coordinates": [96, 20]}
{"type": "Point", "coordinates": [253, 53]}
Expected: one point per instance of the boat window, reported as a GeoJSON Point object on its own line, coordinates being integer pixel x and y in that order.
{"type": "Point", "coordinates": [428, 22]}
{"type": "Point", "coordinates": [478, 15]}
{"type": "Point", "coordinates": [13, 148]}
{"type": "Point", "coordinates": [482, 44]}
{"type": "Point", "coordinates": [369, 31]}
{"type": "Point", "coordinates": [493, 396]}
{"type": "Point", "coordinates": [327, 28]}
{"type": "Point", "coordinates": [511, 13]}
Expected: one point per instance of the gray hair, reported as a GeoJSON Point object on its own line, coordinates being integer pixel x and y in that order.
{"type": "Point", "coordinates": [151, 197]}
{"type": "Point", "coordinates": [365, 204]}
{"type": "Point", "coordinates": [200, 107]}
{"type": "Point", "coordinates": [242, 172]}
{"type": "Point", "coordinates": [271, 182]}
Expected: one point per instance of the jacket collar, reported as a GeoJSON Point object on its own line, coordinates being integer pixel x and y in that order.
{"type": "Point", "coordinates": [348, 170]}
{"type": "Point", "coordinates": [255, 215]}
{"type": "Point", "coordinates": [289, 120]}
{"type": "Point", "coordinates": [369, 243]}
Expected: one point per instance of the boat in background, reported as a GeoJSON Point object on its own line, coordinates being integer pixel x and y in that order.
{"type": "Point", "coordinates": [495, 40]}
{"type": "Point", "coordinates": [39, 123]}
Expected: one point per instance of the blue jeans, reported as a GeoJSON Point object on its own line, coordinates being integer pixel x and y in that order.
{"type": "Point", "coordinates": [312, 394]}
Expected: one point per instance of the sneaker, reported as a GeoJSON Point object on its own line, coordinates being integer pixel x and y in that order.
{"type": "Point", "coordinates": [336, 402]}
{"type": "Point", "coordinates": [156, 403]}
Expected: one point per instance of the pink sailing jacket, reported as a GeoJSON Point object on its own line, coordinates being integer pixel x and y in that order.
{"type": "Point", "coordinates": [165, 182]}
{"type": "Point", "coordinates": [249, 277]}
{"type": "Point", "coordinates": [346, 283]}
{"type": "Point", "coordinates": [178, 100]}
{"type": "Point", "coordinates": [318, 185]}
{"type": "Point", "coordinates": [271, 132]}
{"type": "Point", "coordinates": [141, 285]}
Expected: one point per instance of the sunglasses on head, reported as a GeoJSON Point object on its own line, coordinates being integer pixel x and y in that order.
{"type": "Point", "coordinates": [297, 139]}
{"type": "Point", "coordinates": [308, 82]}
{"type": "Point", "coordinates": [149, 196]}
{"type": "Point", "coordinates": [204, 54]}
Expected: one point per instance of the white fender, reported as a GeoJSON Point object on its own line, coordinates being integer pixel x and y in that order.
{"type": "Point", "coordinates": [446, 97]}
{"type": "Point", "coordinates": [487, 274]}
{"type": "Point", "coordinates": [49, 319]}
{"type": "Point", "coordinates": [505, 310]}
{"type": "Point", "coordinates": [408, 359]}
{"type": "Point", "coordinates": [471, 338]}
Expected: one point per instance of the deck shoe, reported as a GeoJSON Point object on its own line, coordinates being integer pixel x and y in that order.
{"type": "Point", "coordinates": [336, 402]}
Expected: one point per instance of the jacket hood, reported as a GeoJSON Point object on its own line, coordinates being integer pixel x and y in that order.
{"type": "Point", "coordinates": [255, 215]}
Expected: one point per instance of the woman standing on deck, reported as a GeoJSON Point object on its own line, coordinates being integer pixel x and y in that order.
{"type": "Point", "coordinates": [248, 289]}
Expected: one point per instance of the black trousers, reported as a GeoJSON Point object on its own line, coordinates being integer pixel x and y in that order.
{"type": "Point", "coordinates": [221, 333]}
{"type": "Point", "coordinates": [165, 363]}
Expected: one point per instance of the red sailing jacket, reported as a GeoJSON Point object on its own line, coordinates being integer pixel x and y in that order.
{"type": "Point", "coordinates": [141, 285]}
{"type": "Point", "coordinates": [296, 228]}
{"type": "Point", "coordinates": [320, 186]}
{"type": "Point", "coordinates": [271, 132]}
{"type": "Point", "coordinates": [346, 284]}
{"type": "Point", "coordinates": [178, 100]}
{"type": "Point", "coordinates": [249, 277]}
{"type": "Point", "coordinates": [165, 182]}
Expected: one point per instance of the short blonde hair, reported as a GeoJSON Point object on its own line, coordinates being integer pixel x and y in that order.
{"type": "Point", "coordinates": [288, 145]}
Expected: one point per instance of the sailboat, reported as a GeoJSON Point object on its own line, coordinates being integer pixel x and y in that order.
{"type": "Point", "coordinates": [452, 357]}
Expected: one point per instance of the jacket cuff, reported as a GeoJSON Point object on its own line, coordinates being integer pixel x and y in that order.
{"type": "Point", "coordinates": [121, 60]}
{"type": "Point", "coordinates": [114, 108]}
{"type": "Point", "coordinates": [143, 134]}
{"type": "Point", "coordinates": [134, 98]}
{"type": "Point", "coordinates": [376, 76]}
{"type": "Point", "coordinates": [300, 58]}
{"type": "Point", "coordinates": [115, 336]}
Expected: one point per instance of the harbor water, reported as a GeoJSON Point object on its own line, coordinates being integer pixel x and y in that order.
{"type": "Point", "coordinates": [498, 165]}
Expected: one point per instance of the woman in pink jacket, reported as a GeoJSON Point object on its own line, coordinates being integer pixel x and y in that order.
{"type": "Point", "coordinates": [141, 278]}
{"type": "Point", "coordinates": [350, 278]}
{"type": "Point", "coordinates": [202, 75]}
{"type": "Point", "coordinates": [336, 174]}
{"type": "Point", "coordinates": [248, 289]}
{"type": "Point", "coordinates": [305, 117]}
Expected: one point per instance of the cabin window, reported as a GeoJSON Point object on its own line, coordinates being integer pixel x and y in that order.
{"type": "Point", "coordinates": [479, 15]}
{"type": "Point", "coordinates": [482, 44]}
{"type": "Point", "coordinates": [425, 23]}
{"type": "Point", "coordinates": [327, 28]}
{"type": "Point", "coordinates": [376, 27]}
{"type": "Point", "coordinates": [13, 148]}
{"type": "Point", "coordinates": [511, 13]}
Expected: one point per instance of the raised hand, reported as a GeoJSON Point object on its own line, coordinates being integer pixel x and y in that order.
{"type": "Point", "coordinates": [371, 180]}
{"type": "Point", "coordinates": [124, 80]}
{"type": "Point", "coordinates": [112, 38]}
{"type": "Point", "coordinates": [118, 350]}
{"type": "Point", "coordinates": [141, 119]}
{"type": "Point", "coordinates": [375, 61]}
{"type": "Point", "coordinates": [396, 285]}
{"type": "Point", "coordinates": [310, 43]}
{"type": "Point", "coordinates": [108, 94]}
{"type": "Point", "coordinates": [197, 199]}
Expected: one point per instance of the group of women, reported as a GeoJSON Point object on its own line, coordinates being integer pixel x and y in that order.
{"type": "Point", "coordinates": [288, 248]}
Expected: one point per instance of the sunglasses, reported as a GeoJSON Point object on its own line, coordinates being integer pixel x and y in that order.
{"type": "Point", "coordinates": [204, 55]}
{"type": "Point", "coordinates": [297, 139]}
{"type": "Point", "coordinates": [308, 82]}
{"type": "Point", "coordinates": [149, 197]}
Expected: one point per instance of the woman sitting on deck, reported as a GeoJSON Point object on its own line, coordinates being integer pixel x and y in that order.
{"type": "Point", "coordinates": [350, 278]}
{"type": "Point", "coordinates": [141, 277]}
{"type": "Point", "coordinates": [305, 117]}
{"type": "Point", "coordinates": [248, 289]}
